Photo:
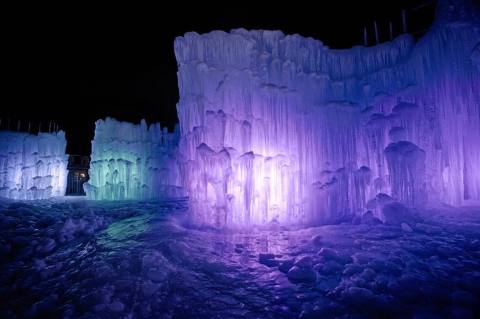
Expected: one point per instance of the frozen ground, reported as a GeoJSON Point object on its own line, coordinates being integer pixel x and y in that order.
{"type": "Point", "coordinates": [73, 258]}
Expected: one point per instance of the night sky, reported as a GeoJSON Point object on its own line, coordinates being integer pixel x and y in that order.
{"type": "Point", "coordinates": [75, 65]}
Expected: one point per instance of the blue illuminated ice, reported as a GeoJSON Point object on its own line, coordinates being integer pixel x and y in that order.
{"type": "Point", "coordinates": [132, 161]}
{"type": "Point", "coordinates": [32, 166]}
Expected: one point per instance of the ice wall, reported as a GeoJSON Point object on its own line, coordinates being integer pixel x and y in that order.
{"type": "Point", "coordinates": [281, 128]}
{"type": "Point", "coordinates": [133, 162]}
{"type": "Point", "coordinates": [32, 166]}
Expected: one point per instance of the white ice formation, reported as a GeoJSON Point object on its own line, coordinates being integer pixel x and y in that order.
{"type": "Point", "coordinates": [133, 162]}
{"type": "Point", "coordinates": [32, 166]}
{"type": "Point", "coordinates": [281, 128]}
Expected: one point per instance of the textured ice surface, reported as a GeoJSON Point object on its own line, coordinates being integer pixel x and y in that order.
{"type": "Point", "coordinates": [72, 258]}
{"type": "Point", "coordinates": [281, 128]}
{"type": "Point", "coordinates": [32, 166]}
{"type": "Point", "coordinates": [133, 162]}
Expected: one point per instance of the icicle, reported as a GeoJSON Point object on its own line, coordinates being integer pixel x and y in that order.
{"type": "Point", "coordinates": [377, 37]}
{"type": "Point", "coordinates": [365, 37]}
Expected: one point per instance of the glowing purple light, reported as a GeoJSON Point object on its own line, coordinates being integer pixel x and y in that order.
{"type": "Point", "coordinates": [281, 129]}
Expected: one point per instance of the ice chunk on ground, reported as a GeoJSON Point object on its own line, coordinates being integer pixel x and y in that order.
{"type": "Point", "coordinates": [302, 274]}
{"type": "Point", "coordinates": [268, 260]}
{"type": "Point", "coordinates": [397, 213]}
{"type": "Point", "coordinates": [406, 227]}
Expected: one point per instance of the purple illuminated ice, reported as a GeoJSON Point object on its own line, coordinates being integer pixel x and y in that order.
{"type": "Point", "coordinates": [280, 128]}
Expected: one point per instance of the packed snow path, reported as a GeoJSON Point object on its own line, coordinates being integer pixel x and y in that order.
{"type": "Point", "coordinates": [72, 258]}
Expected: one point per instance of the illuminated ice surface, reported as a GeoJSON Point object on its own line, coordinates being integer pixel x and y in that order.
{"type": "Point", "coordinates": [72, 258]}
{"type": "Point", "coordinates": [281, 128]}
{"type": "Point", "coordinates": [32, 166]}
{"type": "Point", "coordinates": [276, 131]}
{"type": "Point", "coordinates": [132, 161]}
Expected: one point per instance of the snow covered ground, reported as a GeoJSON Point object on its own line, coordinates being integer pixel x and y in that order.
{"type": "Point", "coordinates": [74, 258]}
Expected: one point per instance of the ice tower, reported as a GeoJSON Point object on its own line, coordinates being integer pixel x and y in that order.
{"type": "Point", "coordinates": [133, 162]}
{"type": "Point", "coordinates": [281, 128]}
{"type": "Point", "coordinates": [32, 166]}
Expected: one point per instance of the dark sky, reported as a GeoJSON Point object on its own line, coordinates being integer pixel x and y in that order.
{"type": "Point", "coordinates": [77, 64]}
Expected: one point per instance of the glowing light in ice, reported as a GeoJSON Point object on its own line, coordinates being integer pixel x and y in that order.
{"type": "Point", "coordinates": [281, 128]}
{"type": "Point", "coordinates": [133, 162]}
